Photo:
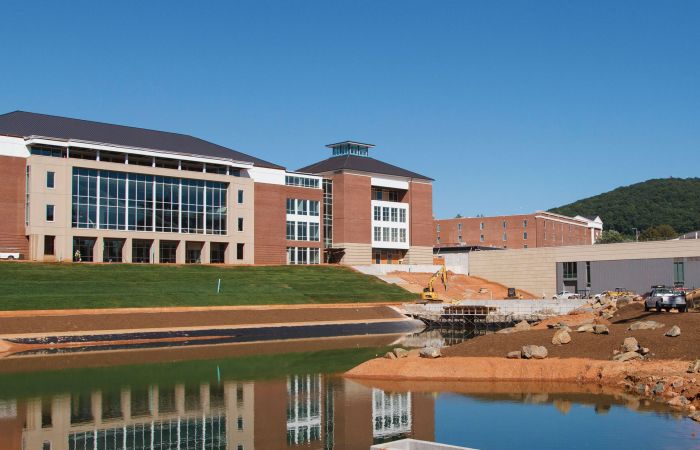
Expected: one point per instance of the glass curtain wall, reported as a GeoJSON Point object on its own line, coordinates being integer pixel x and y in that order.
{"type": "Point", "coordinates": [126, 201]}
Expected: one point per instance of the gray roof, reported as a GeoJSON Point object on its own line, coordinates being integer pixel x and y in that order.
{"type": "Point", "coordinates": [360, 164]}
{"type": "Point", "coordinates": [25, 124]}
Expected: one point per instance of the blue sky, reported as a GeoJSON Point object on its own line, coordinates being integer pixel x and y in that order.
{"type": "Point", "coordinates": [512, 106]}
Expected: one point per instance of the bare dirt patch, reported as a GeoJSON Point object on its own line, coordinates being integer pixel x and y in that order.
{"type": "Point", "coordinates": [459, 286]}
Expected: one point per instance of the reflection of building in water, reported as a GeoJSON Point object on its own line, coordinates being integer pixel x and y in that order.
{"type": "Point", "coordinates": [303, 409]}
{"type": "Point", "coordinates": [306, 411]}
{"type": "Point", "coordinates": [391, 414]}
{"type": "Point", "coordinates": [183, 416]}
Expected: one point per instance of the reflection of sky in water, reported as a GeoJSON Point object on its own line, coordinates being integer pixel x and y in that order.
{"type": "Point", "coordinates": [467, 421]}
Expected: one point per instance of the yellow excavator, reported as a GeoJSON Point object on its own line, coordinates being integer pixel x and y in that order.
{"type": "Point", "coordinates": [429, 294]}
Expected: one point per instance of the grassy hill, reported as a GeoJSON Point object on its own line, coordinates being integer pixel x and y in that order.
{"type": "Point", "coordinates": [672, 201]}
{"type": "Point", "coordinates": [57, 286]}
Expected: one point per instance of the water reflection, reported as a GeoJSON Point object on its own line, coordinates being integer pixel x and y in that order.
{"type": "Point", "coordinates": [313, 410]}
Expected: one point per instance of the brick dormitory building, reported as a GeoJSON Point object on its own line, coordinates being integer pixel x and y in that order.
{"type": "Point", "coordinates": [77, 190]}
{"type": "Point", "coordinates": [541, 229]}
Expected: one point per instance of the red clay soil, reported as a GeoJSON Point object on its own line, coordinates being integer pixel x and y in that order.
{"type": "Point", "coordinates": [134, 320]}
{"type": "Point", "coordinates": [588, 345]}
{"type": "Point", "coordinates": [459, 287]}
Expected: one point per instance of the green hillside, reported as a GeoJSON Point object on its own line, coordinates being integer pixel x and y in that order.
{"type": "Point", "coordinates": [672, 201]}
{"type": "Point", "coordinates": [61, 286]}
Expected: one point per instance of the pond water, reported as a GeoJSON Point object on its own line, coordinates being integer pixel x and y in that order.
{"type": "Point", "coordinates": [298, 400]}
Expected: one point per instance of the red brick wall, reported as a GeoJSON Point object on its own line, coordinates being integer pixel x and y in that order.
{"type": "Point", "coordinates": [556, 233]}
{"type": "Point", "coordinates": [352, 208]}
{"type": "Point", "coordinates": [12, 192]}
{"type": "Point", "coordinates": [271, 221]}
{"type": "Point", "coordinates": [421, 212]}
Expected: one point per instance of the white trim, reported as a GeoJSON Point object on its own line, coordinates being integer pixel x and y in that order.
{"type": "Point", "coordinates": [13, 146]}
{"type": "Point", "coordinates": [38, 140]}
{"type": "Point", "coordinates": [267, 175]}
{"type": "Point", "coordinates": [390, 182]}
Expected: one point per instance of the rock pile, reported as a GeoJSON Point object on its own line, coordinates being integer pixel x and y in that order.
{"type": "Point", "coordinates": [606, 307]}
{"type": "Point", "coordinates": [674, 390]}
{"type": "Point", "coordinates": [430, 352]}
{"type": "Point", "coordinates": [630, 350]}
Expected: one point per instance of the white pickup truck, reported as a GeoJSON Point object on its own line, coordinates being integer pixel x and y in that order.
{"type": "Point", "coordinates": [9, 256]}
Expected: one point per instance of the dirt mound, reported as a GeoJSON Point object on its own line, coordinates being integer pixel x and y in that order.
{"type": "Point", "coordinates": [600, 347]}
{"type": "Point", "coordinates": [459, 287]}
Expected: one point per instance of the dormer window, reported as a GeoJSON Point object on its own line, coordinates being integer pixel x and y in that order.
{"type": "Point", "coordinates": [350, 148]}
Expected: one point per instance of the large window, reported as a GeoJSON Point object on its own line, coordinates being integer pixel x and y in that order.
{"type": "Point", "coordinates": [570, 272]}
{"type": "Point", "coordinates": [313, 231]}
{"type": "Point", "coordinates": [291, 227]}
{"type": "Point", "coordinates": [112, 252]}
{"type": "Point", "coordinates": [141, 250]}
{"type": "Point", "coordinates": [291, 180]}
{"type": "Point", "coordinates": [168, 251]}
{"type": "Point", "coordinates": [303, 255]}
{"type": "Point", "coordinates": [128, 201]}
{"type": "Point", "coordinates": [83, 249]}
{"type": "Point", "coordinates": [49, 245]}
{"type": "Point", "coordinates": [217, 252]}
{"type": "Point", "coordinates": [84, 198]}
{"type": "Point", "coordinates": [112, 200]}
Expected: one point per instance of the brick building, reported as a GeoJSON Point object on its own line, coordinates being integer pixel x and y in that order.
{"type": "Point", "coordinates": [373, 210]}
{"type": "Point", "coordinates": [77, 190]}
{"type": "Point", "coordinates": [541, 229]}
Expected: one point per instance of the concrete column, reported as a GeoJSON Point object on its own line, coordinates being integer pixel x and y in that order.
{"type": "Point", "coordinates": [204, 397]}
{"type": "Point", "coordinates": [126, 403]}
{"type": "Point", "coordinates": [153, 400]}
{"type": "Point", "coordinates": [98, 250]}
{"type": "Point", "coordinates": [96, 401]}
{"type": "Point", "coordinates": [230, 252]}
{"type": "Point", "coordinates": [180, 398]}
{"type": "Point", "coordinates": [127, 256]}
{"type": "Point", "coordinates": [155, 251]}
{"type": "Point", "coordinates": [180, 253]}
{"type": "Point", "coordinates": [206, 249]}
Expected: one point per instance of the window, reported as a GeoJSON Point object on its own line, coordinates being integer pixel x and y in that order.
{"type": "Point", "coordinates": [239, 251]}
{"type": "Point", "coordinates": [49, 245]}
{"type": "Point", "coordinates": [313, 231]}
{"type": "Point", "coordinates": [504, 224]}
{"type": "Point", "coordinates": [240, 196]}
{"type": "Point", "coordinates": [313, 208]}
{"type": "Point", "coordinates": [49, 213]}
{"type": "Point", "coordinates": [377, 234]}
{"type": "Point", "coordinates": [570, 270]}
{"type": "Point", "coordinates": [481, 226]}
{"type": "Point", "coordinates": [459, 227]}
{"type": "Point", "coordinates": [50, 179]}
{"type": "Point", "coordinates": [393, 196]}
{"type": "Point", "coordinates": [302, 207]}
{"type": "Point", "coordinates": [217, 252]}
{"type": "Point", "coordinates": [314, 256]}
{"type": "Point", "coordinates": [141, 251]}
{"type": "Point", "coordinates": [111, 214]}
{"type": "Point", "coordinates": [302, 255]}
{"type": "Point", "coordinates": [291, 255]}
{"type": "Point", "coordinates": [525, 235]}
{"type": "Point", "coordinates": [385, 234]}
{"type": "Point", "coordinates": [394, 214]}
{"type": "Point", "coordinates": [83, 249]}
{"type": "Point", "coordinates": [377, 213]}
{"type": "Point", "coordinates": [168, 252]}
{"type": "Point", "coordinates": [588, 274]}
{"type": "Point", "coordinates": [291, 180]}
{"type": "Point", "coordinates": [678, 273]}
{"type": "Point", "coordinates": [44, 151]}
{"type": "Point", "coordinates": [394, 235]}
{"type": "Point", "coordinates": [112, 250]}
{"type": "Point", "coordinates": [524, 223]}
{"type": "Point", "coordinates": [525, 246]}
{"type": "Point", "coordinates": [459, 238]}
{"type": "Point", "coordinates": [240, 224]}
{"type": "Point", "coordinates": [239, 423]}
{"type": "Point", "coordinates": [301, 231]}
{"type": "Point", "coordinates": [385, 214]}
{"type": "Point", "coordinates": [438, 227]}
{"type": "Point", "coordinates": [505, 237]}
{"type": "Point", "coordinates": [291, 206]}
{"type": "Point", "coordinates": [402, 235]}
{"type": "Point", "coordinates": [291, 225]}
{"type": "Point", "coordinates": [481, 238]}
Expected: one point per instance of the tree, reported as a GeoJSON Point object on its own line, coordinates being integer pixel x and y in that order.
{"type": "Point", "coordinates": [610, 237]}
{"type": "Point", "coordinates": [659, 233]}
{"type": "Point", "coordinates": [458, 216]}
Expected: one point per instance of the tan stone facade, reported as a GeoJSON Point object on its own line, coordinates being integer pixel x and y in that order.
{"type": "Point", "coordinates": [534, 270]}
{"type": "Point", "coordinates": [60, 197]}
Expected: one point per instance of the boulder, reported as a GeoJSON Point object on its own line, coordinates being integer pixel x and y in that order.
{"type": "Point", "coordinates": [561, 337]}
{"type": "Point", "coordinates": [695, 416]}
{"type": "Point", "coordinates": [694, 366]}
{"type": "Point", "coordinates": [413, 353]}
{"type": "Point", "coordinates": [585, 328]}
{"type": "Point", "coordinates": [430, 352]}
{"type": "Point", "coordinates": [514, 355]}
{"type": "Point", "coordinates": [675, 331]}
{"type": "Point", "coordinates": [659, 388]}
{"type": "Point", "coordinates": [630, 345]}
{"type": "Point", "coordinates": [522, 325]}
{"type": "Point", "coordinates": [390, 355]}
{"type": "Point", "coordinates": [600, 329]}
{"type": "Point", "coordinates": [534, 351]}
{"type": "Point", "coordinates": [400, 352]}
{"type": "Point", "coordinates": [643, 350]}
{"type": "Point", "coordinates": [678, 401]}
{"type": "Point", "coordinates": [507, 330]}
{"type": "Point", "coordinates": [623, 301]}
{"type": "Point", "coordinates": [627, 356]}
{"type": "Point", "coordinates": [646, 325]}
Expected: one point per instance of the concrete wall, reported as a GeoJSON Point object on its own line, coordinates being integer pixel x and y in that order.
{"type": "Point", "coordinates": [535, 269]}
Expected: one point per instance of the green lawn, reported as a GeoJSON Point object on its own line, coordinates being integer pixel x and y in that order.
{"type": "Point", "coordinates": [61, 286]}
